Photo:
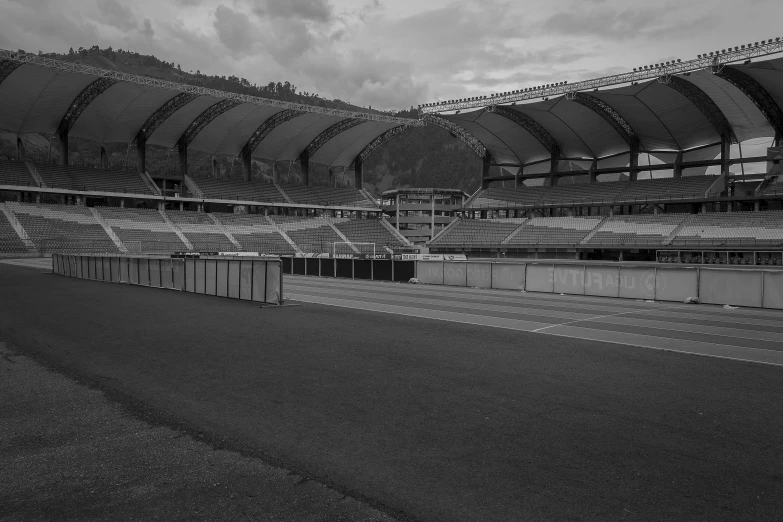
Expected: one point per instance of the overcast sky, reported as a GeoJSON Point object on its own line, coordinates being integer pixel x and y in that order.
{"type": "Point", "coordinates": [392, 54]}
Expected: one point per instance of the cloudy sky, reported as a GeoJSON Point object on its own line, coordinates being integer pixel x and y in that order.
{"type": "Point", "coordinates": [392, 54]}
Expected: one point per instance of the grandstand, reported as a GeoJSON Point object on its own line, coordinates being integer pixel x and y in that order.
{"type": "Point", "coordinates": [202, 233]}
{"type": "Point", "coordinates": [142, 230]}
{"type": "Point", "coordinates": [636, 230]}
{"type": "Point", "coordinates": [92, 180]}
{"type": "Point", "coordinates": [224, 189]}
{"type": "Point", "coordinates": [15, 173]}
{"type": "Point", "coordinates": [553, 231]}
{"type": "Point", "coordinates": [255, 233]}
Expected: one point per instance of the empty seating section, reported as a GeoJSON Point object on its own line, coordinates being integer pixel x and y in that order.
{"type": "Point", "coordinates": [62, 228]}
{"type": "Point", "coordinates": [732, 228]}
{"type": "Point", "coordinates": [201, 231]}
{"type": "Point", "coordinates": [603, 193]}
{"type": "Point", "coordinates": [369, 231]}
{"type": "Point", "coordinates": [15, 173]}
{"type": "Point", "coordinates": [311, 235]}
{"type": "Point", "coordinates": [327, 196]}
{"type": "Point", "coordinates": [638, 229]}
{"type": "Point", "coordinates": [10, 242]}
{"type": "Point", "coordinates": [773, 188]}
{"type": "Point", "coordinates": [240, 190]}
{"type": "Point", "coordinates": [667, 188]}
{"type": "Point", "coordinates": [554, 231]}
{"type": "Point", "coordinates": [142, 230]}
{"type": "Point", "coordinates": [255, 233]}
{"type": "Point", "coordinates": [92, 180]}
{"type": "Point", "coordinates": [478, 232]}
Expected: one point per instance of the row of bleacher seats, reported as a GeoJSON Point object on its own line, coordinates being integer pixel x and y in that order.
{"type": "Point", "coordinates": [10, 242]}
{"type": "Point", "coordinates": [327, 196]}
{"type": "Point", "coordinates": [92, 180]}
{"type": "Point", "coordinates": [714, 229]}
{"type": "Point", "coordinates": [602, 193]}
{"type": "Point", "coordinates": [240, 190]}
{"type": "Point", "coordinates": [16, 173]}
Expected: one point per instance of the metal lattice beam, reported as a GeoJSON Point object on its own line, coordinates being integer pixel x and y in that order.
{"type": "Point", "coordinates": [458, 132]}
{"type": "Point", "coordinates": [704, 103]}
{"type": "Point", "coordinates": [268, 126]}
{"type": "Point", "coordinates": [204, 119]}
{"type": "Point", "coordinates": [611, 116]}
{"type": "Point", "coordinates": [377, 142]}
{"type": "Point", "coordinates": [531, 126]}
{"type": "Point", "coordinates": [651, 72]}
{"type": "Point", "coordinates": [6, 68]}
{"type": "Point", "coordinates": [51, 63]}
{"type": "Point", "coordinates": [161, 115]}
{"type": "Point", "coordinates": [757, 94]}
{"type": "Point", "coordinates": [81, 102]}
{"type": "Point", "coordinates": [328, 134]}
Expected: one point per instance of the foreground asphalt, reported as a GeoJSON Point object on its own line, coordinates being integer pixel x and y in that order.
{"type": "Point", "coordinates": [423, 419]}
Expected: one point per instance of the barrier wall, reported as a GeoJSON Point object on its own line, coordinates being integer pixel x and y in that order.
{"type": "Point", "coordinates": [248, 279]}
{"type": "Point", "coordinates": [349, 268]}
{"type": "Point", "coordinates": [738, 287]}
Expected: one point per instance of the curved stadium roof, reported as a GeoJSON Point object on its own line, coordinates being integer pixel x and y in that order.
{"type": "Point", "coordinates": [42, 95]}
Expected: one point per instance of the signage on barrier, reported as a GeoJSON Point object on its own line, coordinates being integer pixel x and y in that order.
{"type": "Point", "coordinates": [433, 257]}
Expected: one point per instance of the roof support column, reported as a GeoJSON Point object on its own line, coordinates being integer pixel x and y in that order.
{"type": "Point", "coordinates": [104, 158]}
{"type": "Point", "coordinates": [358, 169]}
{"type": "Point", "coordinates": [725, 155]}
{"type": "Point", "coordinates": [247, 166]}
{"type": "Point", "coordinates": [64, 148]}
{"type": "Point", "coordinates": [517, 175]}
{"type": "Point", "coordinates": [141, 157]}
{"type": "Point", "coordinates": [304, 161]}
{"type": "Point", "coordinates": [215, 168]}
{"type": "Point", "coordinates": [183, 158]}
{"type": "Point", "coordinates": [275, 174]}
{"type": "Point", "coordinates": [778, 139]}
{"type": "Point", "coordinates": [593, 177]}
{"type": "Point", "coordinates": [554, 167]}
{"type": "Point", "coordinates": [633, 172]}
{"type": "Point", "coordinates": [485, 165]}
{"type": "Point", "coordinates": [332, 182]}
{"type": "Point", "coordinates": [677, 172]}
{"type": "Point", "coordinates": [21, 154]}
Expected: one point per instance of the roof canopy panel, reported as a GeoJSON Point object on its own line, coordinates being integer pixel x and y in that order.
{"type": "Point", "coordinates": [171, 130]}
{"type": "Point", "coordinates": [343, 148]}
{"type": "Point", "coordinates": [647, 126]}
{"type": "Point", "coordinates": [497, 147]}
{"type": "Point", "coordinates": [288, 140]}
{"type": "Point", "coordinates": [569, 141]}
{"type": "Point", "coordinates": [769, 75]}
{"type": "Point", "coordinates": [599, 136]}
{"type": "Point", "coordinates": [229, 132]}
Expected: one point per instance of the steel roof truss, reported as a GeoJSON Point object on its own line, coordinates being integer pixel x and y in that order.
{"type": "Point", "coordinates": [81, 102]}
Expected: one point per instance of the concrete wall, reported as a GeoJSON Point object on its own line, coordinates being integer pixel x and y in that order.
{"type": "Point", "coordinates": [248, 279]}
{"type": "Point", "coordinates": [737, 287]}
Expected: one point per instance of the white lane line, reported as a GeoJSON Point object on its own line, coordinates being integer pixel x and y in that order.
{"type": "Point", "coordinates": [731, 332]}
{"type": "Point", "coordinates": [583, 320]}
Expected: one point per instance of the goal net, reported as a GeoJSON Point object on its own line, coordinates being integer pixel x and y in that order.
{"type": "Point", "coordinates": [342, 248]}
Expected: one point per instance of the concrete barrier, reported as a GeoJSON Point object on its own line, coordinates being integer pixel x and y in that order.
{"type": "Point", "coordinates": [430, 272]}
{"type": "Point", "coordinates": [455, 274]}
{"type": "Point", "coordinates": [602, 281]}
{"type": "Point", "coordinates": [568, 279]}
{"type": "Point", "coordinates": [479, 275]}
{"type": "Point", "coordinates": [734, 287]}
{"type": "Point", "coordinates": [508, 277]}
{"type": "Point", "coordinates": [637, 283]}
{"type": "Point", "coordinates": [540, 278]}
{"type": "Point", "coordinates": [249, 279]}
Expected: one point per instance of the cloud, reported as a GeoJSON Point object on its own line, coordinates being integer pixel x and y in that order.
{"type": "Point", "coordinates": [117, 15]}
{"type": "Point", "coordinates": [234, 30]}
{"type": "Point", "coordinates": [147, 29]}
{"type": "Point", "coordinates": [311, 10]}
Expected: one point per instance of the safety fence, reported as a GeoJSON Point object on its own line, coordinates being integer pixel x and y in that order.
{"type": "Point", "coordinates": [348, 268]}
{"type": "Point", "coordinates": [249, 279]}
{"type": "Point", "coordinates": [749, 287]}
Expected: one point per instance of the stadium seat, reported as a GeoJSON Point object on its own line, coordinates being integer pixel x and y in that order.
{"type": "Point", "coordinates": [639, 229]}
{"type": "Point", "coordinates": [142, 230]}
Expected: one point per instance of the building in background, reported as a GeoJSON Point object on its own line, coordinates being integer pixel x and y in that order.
{"type": "Point", "coordinates": [420, 213]}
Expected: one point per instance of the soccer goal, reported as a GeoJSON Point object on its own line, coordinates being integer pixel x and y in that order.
{"type": "Point", "coordinates": [343, 248]}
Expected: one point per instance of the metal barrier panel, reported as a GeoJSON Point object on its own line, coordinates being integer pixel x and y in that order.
{"type": "Point", "coordinates": [508, 276]}
{"type": "Point", "coordinates": [773, 290]}
{"type": "Point", "coordinates": [107, 276]}
{"type": "Point", "coordinates": [92, 270]}
{"type": "Point", "coordinates": [404, 270]}
{"type": "Point", "coordinates": [327, 267]}
{"type": "Point", "coordinates": [299, 265]}
{"type": "Point", "coordinates": [178, 274]}
{"type": "Point", "coordinates": [734, 287]}
{"type": "Point", "coordinates": [259, 281]}
{"type": "Point", "coordinates": [602, 281]}
{"type": "Point", "coordinates": [676, 284]}
{"type": "Point", "coordinates": [56, 264]}
{"type": "Point", "coordinates": [144, 271]}
{"type": "Point", "coordinates": [569, 279]}
{"type": "Point", "coordinates": [133, 270]}
{"type": "Point", "coordinates": [190, 275]}
{"type": "Point", "coordinates": [221, 279]}
{"type": "Point", "coordinates": [273, 279]}
{"type": "Point", "coordinates": [382, 270]}
{"type": "Point", "coordinates": [637, 283]}
{"type": "Point", "coordinates": [455, 273]}
{"type": "Point", "coordinates": [344, 268]}
{"type": "Point", "coordinates": [211, 275]}
{"type": "Point", "coordinates": [115, 269]}
{"type": "Point", "coordinates": [312, 266]}
{"type": "Point", "coordinates": [479, 275]}
{"type": "Point", "coordinates": [246, 280]}
{"type": "Point", "coordinates": [154, 272]}
{"type": "Point", "coordinates": [233, 279]}
{"type": "Point", "coordinates": [201, 276]}
{"type": "Point", "coordinates": [287, 265]}
{"type": "Point", "coordinates": [430, 272]}
{"type": "Point", "coordinates": [98, 268]}
{"type": "Point", "coordinates": [84, 273]}
{"type": "Point", "coordinates": [540, 278]}
{"type": "Point", "coordinates": [124, 270]}
{"type": "Point", "coordinates": [166, 273]}
{"type": "Point", "coordinates": [362, 269]}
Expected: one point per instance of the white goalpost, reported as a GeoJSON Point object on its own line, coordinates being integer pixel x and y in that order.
{"type": "Point", "coordinates": [344, 248]}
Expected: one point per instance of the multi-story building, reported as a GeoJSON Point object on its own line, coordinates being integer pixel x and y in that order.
{"type": "Point", "coordinates": [420, 213]}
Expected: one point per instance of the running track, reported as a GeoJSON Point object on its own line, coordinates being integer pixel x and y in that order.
{"type": "Point", "coordinates": [740, 334]}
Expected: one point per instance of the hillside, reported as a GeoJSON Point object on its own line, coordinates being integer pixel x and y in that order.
{"type": "Point", "coordinates": [427, 157]}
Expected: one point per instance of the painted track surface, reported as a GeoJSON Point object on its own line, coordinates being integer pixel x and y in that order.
{"type": "Point", "coordinates": [432, 419]}
{"type": "Point", "coordinates": [741, 334]}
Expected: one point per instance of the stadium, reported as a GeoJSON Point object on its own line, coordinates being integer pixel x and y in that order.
{"type": "Point", "coordinates": [560, 344]}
